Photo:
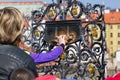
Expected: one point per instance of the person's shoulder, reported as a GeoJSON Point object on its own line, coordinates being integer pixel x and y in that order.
{"type": "Point", "coordinates": [14, 51]}
{"type": "Point", "coordinates": [11, 49]}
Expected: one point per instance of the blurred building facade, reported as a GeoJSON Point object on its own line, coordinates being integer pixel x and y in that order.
{"type": "Point", "coordinates": [24, 7]}
{"type": "Point", "coordinates": [112, 21]}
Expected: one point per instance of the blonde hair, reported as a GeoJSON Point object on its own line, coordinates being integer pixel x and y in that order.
{"type": "Point", "coordinates": [11, 25]}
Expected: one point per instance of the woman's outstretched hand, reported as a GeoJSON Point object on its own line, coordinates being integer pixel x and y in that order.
{"type": "Point", "coordinates": [62, 39]}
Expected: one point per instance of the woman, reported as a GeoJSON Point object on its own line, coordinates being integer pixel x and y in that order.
{"type": "Point", "coordinates": [11, 56]}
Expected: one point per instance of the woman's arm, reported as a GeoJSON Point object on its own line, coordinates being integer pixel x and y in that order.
{"type": "Point", "coordinates": [45, 57]}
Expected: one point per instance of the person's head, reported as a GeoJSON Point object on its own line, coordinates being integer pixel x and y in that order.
{"type": "Point", "coordinates": [22, 74]}
{"type": "Point", "coordinates": [11, 25]}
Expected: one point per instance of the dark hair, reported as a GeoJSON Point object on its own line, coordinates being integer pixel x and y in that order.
{"type": "Point", "coordinates": [22, 74]}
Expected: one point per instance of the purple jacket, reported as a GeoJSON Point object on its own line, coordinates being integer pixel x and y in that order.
{"type": "Point", "coordinates": [45, 57]}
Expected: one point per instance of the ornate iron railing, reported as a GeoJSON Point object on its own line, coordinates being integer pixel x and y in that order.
{"type": "Point", "coordinates": [82, 59]}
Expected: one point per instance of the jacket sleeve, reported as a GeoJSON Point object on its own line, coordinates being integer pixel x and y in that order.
{"type": "Point", "coordinates": [45, 57]}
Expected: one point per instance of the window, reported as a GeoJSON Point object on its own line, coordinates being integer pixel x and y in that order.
{"type": "Point", "coordinates": [111, 34]}
{"type": "Point", "coordinates": [112, 18]}
{"type": "Point", "coordinates": [118, 26]}
{"type": "Point", "coordinates": [111, 42]}
{"type": "Point", "coordinates": [118, 42]}
{"type": "Point", "coordinates": [111, 27]}
{"type": "Point", "coordinates": [118, 34]}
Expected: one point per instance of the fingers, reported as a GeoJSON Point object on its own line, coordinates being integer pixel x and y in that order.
{"type": "Point", "coordinates": [61, 39]}
{"type": "Point", "coordinates": [62, 36]}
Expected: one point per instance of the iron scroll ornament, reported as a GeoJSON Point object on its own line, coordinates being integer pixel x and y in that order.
{"type": "Point", "coordinates": [85, 52]}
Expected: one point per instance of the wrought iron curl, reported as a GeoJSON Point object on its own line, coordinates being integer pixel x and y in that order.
{"type": "Point", "coordinates": [86, 55]}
